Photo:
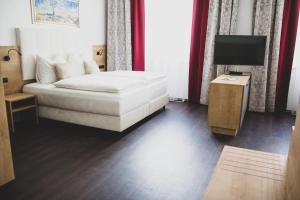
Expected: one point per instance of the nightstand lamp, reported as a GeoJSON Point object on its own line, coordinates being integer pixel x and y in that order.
{"type": "Point", "coordinates": [100, 52]}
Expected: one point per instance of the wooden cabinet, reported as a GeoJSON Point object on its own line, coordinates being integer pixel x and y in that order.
{"type": "Point", "coordinates": [6, 163]}
{"type": "Point", "coordinates": [228, 99]}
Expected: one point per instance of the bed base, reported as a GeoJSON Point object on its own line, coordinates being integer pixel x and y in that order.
{"type": "Point", "coordinates": [113, 123]}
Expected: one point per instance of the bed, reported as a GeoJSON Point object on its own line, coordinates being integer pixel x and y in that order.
{"type": "Point", "coordinates": [108, 100]}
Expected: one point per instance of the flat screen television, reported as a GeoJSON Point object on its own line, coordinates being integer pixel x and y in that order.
{"type": "Point", "coordinates": [239, 50]}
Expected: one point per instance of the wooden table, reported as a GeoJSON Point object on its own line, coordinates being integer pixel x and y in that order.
{"type": "Point", "coordinates": [19, 102]}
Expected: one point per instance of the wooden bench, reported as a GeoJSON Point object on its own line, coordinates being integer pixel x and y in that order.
{"type": "Point", "coordinates": [251, 175]}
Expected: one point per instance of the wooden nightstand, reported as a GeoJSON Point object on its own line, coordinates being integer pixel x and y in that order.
{"type": "Point", "coordinates": [20, 102]}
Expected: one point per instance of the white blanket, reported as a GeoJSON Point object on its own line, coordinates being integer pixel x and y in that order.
{"type": "Point", "coordinates": [101, 82]}
{"type": "Point", "coordinates": [113, 82]}
{"type": "Point", "coordinates": [146, 76]}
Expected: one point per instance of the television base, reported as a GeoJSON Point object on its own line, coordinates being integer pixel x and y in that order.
{"type": "Point", "coordinates": [234, 73]}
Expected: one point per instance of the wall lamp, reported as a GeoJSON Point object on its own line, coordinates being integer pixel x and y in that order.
{"type": "Point", "coordinates": [100, 52]}
{"type": "Point", "coordinates": [7, 58]}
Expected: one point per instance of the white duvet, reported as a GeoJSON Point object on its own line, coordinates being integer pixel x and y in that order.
{"type": "Point", "coordinates": [146, 76]}
{"type": "Point", "coordinates": [112, 82]}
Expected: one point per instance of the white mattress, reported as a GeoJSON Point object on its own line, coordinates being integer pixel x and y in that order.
{"type": "Point", "coordinates": [114, 104]}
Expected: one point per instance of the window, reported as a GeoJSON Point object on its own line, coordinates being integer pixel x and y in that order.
{"type": "Point", "coordinates": [167, 40]}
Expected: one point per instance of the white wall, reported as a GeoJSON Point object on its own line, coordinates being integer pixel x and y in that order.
{"type": "Point", "coordinates": [245, 17]}
{"type": "Point", "coordinates": [17, 13]}
{"type": "Point", "coordinates": [167, 39]}
{"type": "Point", "coordinates": [294, 90]}
{"type": "Point", "coordinates": [168, 36]}
{"type": "Point", "coordinates": [244, 26]}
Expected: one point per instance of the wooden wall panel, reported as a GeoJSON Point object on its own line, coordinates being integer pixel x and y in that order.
{"type": "Point", "coordinates": [293, 164]}
{"type": "Point", "coordinates": [11, 70]}
{"type": "Point", "coordinates": [101, 58]}
{"type": "Point", "coordinates": [6, 163]}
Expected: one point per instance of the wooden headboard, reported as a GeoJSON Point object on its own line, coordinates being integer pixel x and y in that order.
{"type": "Point", "coordinates": [293, 163]}
{"type": "Point", "coordinates": [11, 70]}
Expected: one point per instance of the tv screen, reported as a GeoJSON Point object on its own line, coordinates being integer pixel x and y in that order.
{"type": "Point", "coordinates": [239, 50]}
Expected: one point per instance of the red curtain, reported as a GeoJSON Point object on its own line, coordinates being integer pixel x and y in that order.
{"type": "Point", "coordinates": [138, 34]}
{"type": "Point", "coordinates": [286, 53]}
{"type": "Point", "coordinates": [199, 26]}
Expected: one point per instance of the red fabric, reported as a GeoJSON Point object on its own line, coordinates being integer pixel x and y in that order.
{"type": "Point", "coordinates": [138, 34]}
{"type": "Point", "coordinates": [286, 53]}
{"type": "Point", "coordinates": [199, 26]}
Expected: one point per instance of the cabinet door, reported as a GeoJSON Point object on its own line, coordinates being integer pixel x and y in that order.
{"type": "Point", "coordinates": [225, 105]}
{"type": "Point", "coordinates": [6, 163]}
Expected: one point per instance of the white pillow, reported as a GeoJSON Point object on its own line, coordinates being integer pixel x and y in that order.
{"type": "Point", "coordinates": [45, 70]}
{"type": "Point", "coordinates": [91, 67]}
{"type": "Point", "coordinates": [68, 70]}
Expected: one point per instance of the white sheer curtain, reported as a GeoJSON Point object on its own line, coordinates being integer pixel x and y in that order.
{"type": "Point", "coordinates": [294, 90]}
{"type": "Point", "coordinates": [167, 40]}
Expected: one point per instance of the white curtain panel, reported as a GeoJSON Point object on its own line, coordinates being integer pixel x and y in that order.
{"type": "Point", "coordinates": [167, 40]}
{"type": "Point", "coordinates": [267, 21]}
{"type": "Point", "coordinates": [222, 19]}
{"type": "Point", "coordinates": [119, 52]}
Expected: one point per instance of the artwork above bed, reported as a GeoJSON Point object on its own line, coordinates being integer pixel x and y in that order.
{"type": "Point", "coordinates": [55, 12]}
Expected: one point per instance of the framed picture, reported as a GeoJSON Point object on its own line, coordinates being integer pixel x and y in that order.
{"type": "Point", "coordinates": [55, 12]}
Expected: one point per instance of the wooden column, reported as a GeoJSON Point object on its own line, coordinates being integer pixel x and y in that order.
{"type": "Point", "coordinates": [293, 164]}
{"type": "Point", "coordinates": [6, 163]}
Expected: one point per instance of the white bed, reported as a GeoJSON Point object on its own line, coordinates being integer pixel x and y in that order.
{"type": "Point", "coordinates": [116, 109]}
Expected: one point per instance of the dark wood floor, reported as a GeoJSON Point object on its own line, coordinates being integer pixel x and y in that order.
{"type": "Point", "coordinates": [170, 155]}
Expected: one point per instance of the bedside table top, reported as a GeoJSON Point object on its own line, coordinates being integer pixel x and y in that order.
{"type": "Point", "coordinates": [18, 97]}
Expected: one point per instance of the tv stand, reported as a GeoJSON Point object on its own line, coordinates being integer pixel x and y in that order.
{"type": "Point", "coordinates": [234, 73]}
{"type": "Point", "coordinates": [228, 100]}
